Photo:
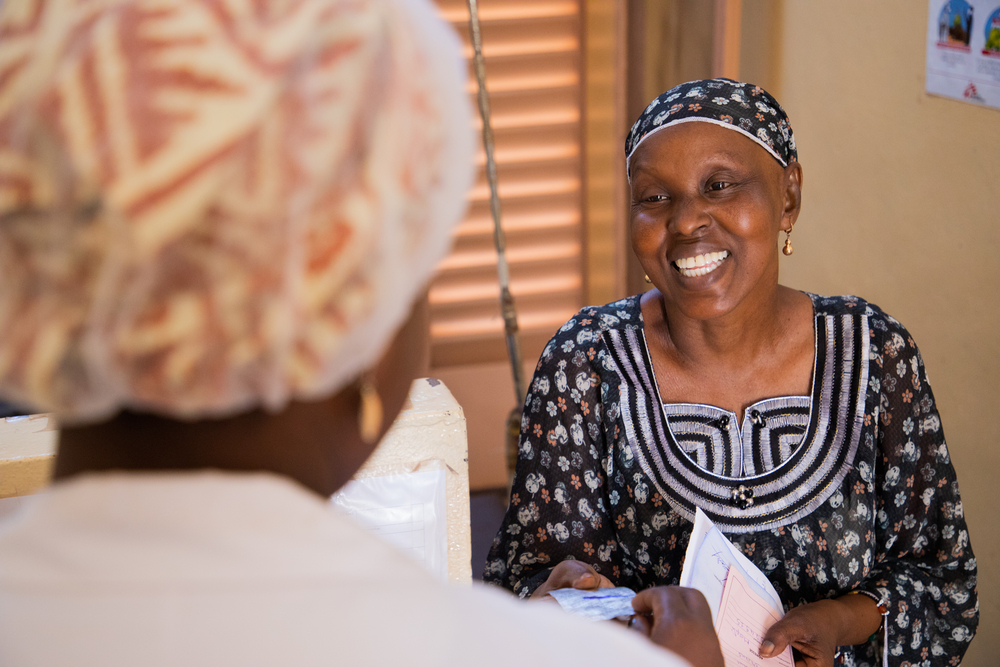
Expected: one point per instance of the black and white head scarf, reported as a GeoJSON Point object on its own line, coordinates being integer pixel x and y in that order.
{"type": "Point", "coordinates": [743, 107]}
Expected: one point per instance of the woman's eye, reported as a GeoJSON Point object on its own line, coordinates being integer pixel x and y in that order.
{"type": "Point", "coordinates": [656, 198]}
{"type": "Point", "coordinates": [718, 185]}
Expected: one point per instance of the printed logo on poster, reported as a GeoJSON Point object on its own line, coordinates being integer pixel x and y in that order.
{"type": "Point", "coordinates": [972, 94]}
{"type": "Point", "coordinates": [955, 23]}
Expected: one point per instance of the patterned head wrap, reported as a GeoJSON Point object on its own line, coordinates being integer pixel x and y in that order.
{"type": "Point", "coordinates": [743, 107]}
{"type": "Point", "coordinates": [208, 206]}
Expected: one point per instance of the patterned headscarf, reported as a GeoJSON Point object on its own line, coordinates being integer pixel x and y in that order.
{"type": "Point", "coordinates": [208, 206]}
{"type": "Point", "coordinates": [743, 107]}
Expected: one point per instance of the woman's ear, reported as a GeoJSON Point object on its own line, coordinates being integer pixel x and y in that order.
{"type": "Point", "coordinates": [793, 195]}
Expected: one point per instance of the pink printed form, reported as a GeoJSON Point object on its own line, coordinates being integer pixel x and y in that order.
{"type": "Point", "coordinates": [743, 619]}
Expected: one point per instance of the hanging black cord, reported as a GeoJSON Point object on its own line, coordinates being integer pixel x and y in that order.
{"type": "Point", "coordinates": [507, 307]}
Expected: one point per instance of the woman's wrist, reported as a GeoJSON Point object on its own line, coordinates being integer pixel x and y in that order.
{"type": "Point", "coordinates": [860, 616]}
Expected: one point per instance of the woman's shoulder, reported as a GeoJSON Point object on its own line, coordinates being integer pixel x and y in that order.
{"type": "Point", "coordinates": [845, 304]}
{"type": "Point", "coordinates": [848, 304]}
{"type": "Point", "coordinates": [587, 325]}
{"type": "Point", "coordinates": [617, 314]}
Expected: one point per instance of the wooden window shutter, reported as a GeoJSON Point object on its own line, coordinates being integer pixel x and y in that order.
{"type": "Point", "coordinates": [533, 67]}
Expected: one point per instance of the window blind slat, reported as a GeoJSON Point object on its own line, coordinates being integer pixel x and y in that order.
{"type": "Point", "coordinates": [482, 224]}
{"type": "Point", "coordinates": [457, 11]}
{"type": "Point", "coordinates": [533, 65]}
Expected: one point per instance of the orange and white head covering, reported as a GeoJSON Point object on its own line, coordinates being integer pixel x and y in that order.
{"type": "Point", "coordinates": [212, 205]}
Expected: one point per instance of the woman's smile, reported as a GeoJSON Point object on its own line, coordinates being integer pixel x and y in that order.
{"type": "Point", "coordinates": [700, 265]}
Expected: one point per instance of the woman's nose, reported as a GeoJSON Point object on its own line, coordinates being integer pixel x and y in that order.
{"type": "Point", "coordinates": [688, 215]}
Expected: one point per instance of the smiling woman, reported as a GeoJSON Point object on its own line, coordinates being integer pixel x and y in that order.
{"type": "Point", "coordinates": [707, 205]}
{"type": "Point", "coordinates": [803, 426]}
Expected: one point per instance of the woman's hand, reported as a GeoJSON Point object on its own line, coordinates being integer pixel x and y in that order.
{"type": "Point", "coordinates": [681, 622]}
{"type": "Point", "coordinates": [572, 574]}
{"type": "Point", "coordinates": [816, 629]}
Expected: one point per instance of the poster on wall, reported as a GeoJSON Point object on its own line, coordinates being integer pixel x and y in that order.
{"type": "Point", "coordinates": [963, 50]}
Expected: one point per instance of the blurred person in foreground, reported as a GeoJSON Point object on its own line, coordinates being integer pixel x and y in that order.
{"type": "Point", "coordinates": [215, 221]}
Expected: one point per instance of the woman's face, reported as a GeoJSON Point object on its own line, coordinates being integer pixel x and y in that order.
{"type": "Point", "coordinates": [707, 206]}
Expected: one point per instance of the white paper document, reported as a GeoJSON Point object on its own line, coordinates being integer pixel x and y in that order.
{"type": "Point", "coordinates": [707, 561]}
{"type": "Point", "coordinates": [744, 604]}
{"type": "Point", "coordinates": [744, 617]}
{"type": "Point", "coordinates": [600, 605]}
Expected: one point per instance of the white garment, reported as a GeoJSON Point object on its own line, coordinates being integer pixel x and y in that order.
{"type": "Point", "coordinates": [250, 569]}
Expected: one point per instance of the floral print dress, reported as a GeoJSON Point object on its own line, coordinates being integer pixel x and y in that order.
{"type": "Point", "coordinates": [850, 488]}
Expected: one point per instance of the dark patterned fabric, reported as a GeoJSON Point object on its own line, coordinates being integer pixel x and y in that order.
{"type": "Point", "coordinates": [864, 499]}
{"type": "Point", "coordinates": [738, 106]}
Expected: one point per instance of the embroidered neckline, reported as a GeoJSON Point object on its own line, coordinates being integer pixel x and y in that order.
{"type": "Point", "coordinates": [779, 496]}
{"type": "Point", "coordinates": [771, 431]}
{"type": "Point", "coordinates": [764, 402]}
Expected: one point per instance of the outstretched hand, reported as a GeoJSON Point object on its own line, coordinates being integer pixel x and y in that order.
{"type": "Point", "coordinates": [572, 574]}
{"type": "Point", "coordinates": [809, 630]}
{"type": "Point", "coordinates": [681, 621]}
{"type": "Point", "coordinates": [816, 629]}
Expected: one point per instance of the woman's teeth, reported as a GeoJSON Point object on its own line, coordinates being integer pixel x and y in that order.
{"type": "Point", "coordinates": [699, 265]}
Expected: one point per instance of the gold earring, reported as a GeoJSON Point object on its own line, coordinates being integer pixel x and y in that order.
{"type": "Point", "coordinates": [370, 413]}
{"type": "Point", "coordinates": [646, 278]}
{"type": "Point", "coordinates": [788, 250]}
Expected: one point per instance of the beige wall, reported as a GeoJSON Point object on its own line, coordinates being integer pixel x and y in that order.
{"type": "Point", "coordinates": [901, 205]}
